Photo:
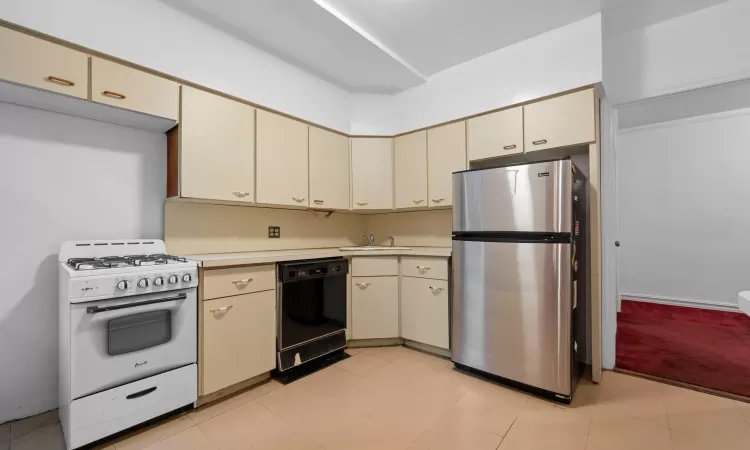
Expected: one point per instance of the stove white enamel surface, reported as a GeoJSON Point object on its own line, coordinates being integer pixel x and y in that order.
{"type": "Point", "coordinates": [128, 334]}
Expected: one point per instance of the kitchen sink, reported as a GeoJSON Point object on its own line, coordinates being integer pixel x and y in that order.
{"type": "Point", "coordinates": [370, 248]}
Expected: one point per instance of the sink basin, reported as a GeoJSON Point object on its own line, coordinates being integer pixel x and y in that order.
{"type": "Point", "coordinates": [371, 248]}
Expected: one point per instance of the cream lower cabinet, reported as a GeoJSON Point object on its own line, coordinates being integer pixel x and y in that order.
{"type": "Point", "coordinates": [424, 311]}
{"type": "Point", "coordinates": [239, 339]}
{"type": "Point", "coordinates": [375, 307]}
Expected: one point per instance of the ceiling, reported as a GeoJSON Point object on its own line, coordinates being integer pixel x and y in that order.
{"type": "Point", "coordinates": [387, 46]}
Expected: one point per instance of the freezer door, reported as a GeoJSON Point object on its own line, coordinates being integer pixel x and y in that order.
{"type": "Point", "coordinates": [512, 311]}
{"type": "Point", "coordinates": [530, 198]}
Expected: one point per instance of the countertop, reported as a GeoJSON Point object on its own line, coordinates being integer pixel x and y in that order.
{"type": "Point", "coordinates": [272, 256]}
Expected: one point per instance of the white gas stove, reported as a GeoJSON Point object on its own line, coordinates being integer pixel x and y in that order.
{"type": "Point", "coordinates": [128, 335]}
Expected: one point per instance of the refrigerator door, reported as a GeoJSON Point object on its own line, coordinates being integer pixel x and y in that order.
{"type": "Point", "coordinates": [512, 311]}
{"type": "Point", "coordinates": [529, 198]}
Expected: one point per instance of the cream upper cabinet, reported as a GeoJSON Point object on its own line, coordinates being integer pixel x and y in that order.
{"type": "Point", "coordinates": [217, 147]}
{"type": "Point", "coordinates": [34, 62]}
{"type": "Point", "coordinates": [239, 339]}
{"type": "Point", "coordinates": [410, 162]}
{"type": "Point", "coordinates": [117, 85]}
{"type": "Point", "coordinates": [496, 134]}
{"type": "Point", "coordinates": [282, 163]}
{"type": "Point", "coordinates": [424, 311]}
{"type": "Point", "coordinates": [446, 153]}
{"type": "Point", "coordinates": [375, 307]}
{"type": "Point", "coordinates": [560, 121]}
{"type": "Point", "coordinates": [329, 169]}
{"type": "Point", "coordinates": [372, 173]}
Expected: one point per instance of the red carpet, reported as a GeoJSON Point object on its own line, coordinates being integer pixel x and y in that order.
{"type": "Point", "coordinates": [698, 346]}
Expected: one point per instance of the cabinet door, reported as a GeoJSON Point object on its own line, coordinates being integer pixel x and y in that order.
{"type": "Point", "coordinates": [282, 165]}
{"type": "Point", "coordinates": [117, 85]}
{"type": "Point", "coordinates": [446, 153]}
{"type": "Point", "coordinates": [410, 158]}
{"type": "Point", "coordinates": [239, 339]}
{"type": "Point", "coordinates": [329, 169]}
{"type": "Point", "coordinates": [374, 307]}
{"type": "Point", "coordinates": [217, 147]}
{"type": "Point", "coordinates": [41, 64]}
{"type": "Point", "coordinates": [372, 173]}
{"type": "Point", "coordinates": [560, 121]}
{"type": "Point", "coordinates": [424, 311]}
{"type": "Point", "coordinates": [496, 134]}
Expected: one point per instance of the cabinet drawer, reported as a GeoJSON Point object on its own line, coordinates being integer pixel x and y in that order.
{"type": "Point", "coordinates": [239, 339]}
{"type": "Point", "coordinates": [376, 266]}
{"type": "Point", "coordinates": [424, 311]}
{"type": "Point", "coordinates": [374, 307]}
{"type": "Point", "coordinates": [41, 64]}
{"type": "Point", "coordinates": [238, 280]}
{"type": "Point", "coordinates": [117, 85]}
{"type": "Point", "coordinates": [435, 268]}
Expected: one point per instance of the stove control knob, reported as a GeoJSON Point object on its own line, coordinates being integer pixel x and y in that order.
{"type": "Point", "coordinates": [159, 281]}
{"type": "Point", "coordinates": [173, 279]}
{"type": "Point", "coordinates": [123, 285]}
{"type": "Point", "coordinates": [187, 278]}
{"type": "Point", "coordinates": [143, 283]}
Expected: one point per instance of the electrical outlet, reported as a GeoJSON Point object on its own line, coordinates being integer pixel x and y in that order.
{"type": "Point", "coordinates": [274, 232]}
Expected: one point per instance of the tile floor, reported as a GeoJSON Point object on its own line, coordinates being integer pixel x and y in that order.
{"type": "Point", "coordinates": [396, 398]}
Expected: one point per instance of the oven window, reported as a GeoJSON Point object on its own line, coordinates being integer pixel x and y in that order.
{"type": "Point", "coordinates": [139, 331]}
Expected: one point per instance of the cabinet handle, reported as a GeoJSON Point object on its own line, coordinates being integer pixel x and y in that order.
{"type": "Point", "coordinates": [363, 285]}
{"type": "Point", "coordinates": [416, 202]}
{"type": "Point", "coordinates": [436, 289]}
{"type": "Point", "coordinates": [298, 199]}
{"type": "Point", "coordinates": [241, 194]}
{"type": "Point", "coordinates": [438, 200]}
{"type": "Point", "coordinates": [543, 141]}
{"type": "Point", "coordinates": [243, 281]}
{"type": "Point", "coordinates": [362, 203]}
{"type": "Point", "coordinates": [423, 268]}
{"type": "Point", "coordinates": [318, 202]}
{"type": "Point", "coordinates": [114, 95]}
{"type": "Point", "coordinates": [58, 80]}
{"type": "Point", "coordinates": [509, 147]}
{"type": "Point", "coordinates": [223, 309]}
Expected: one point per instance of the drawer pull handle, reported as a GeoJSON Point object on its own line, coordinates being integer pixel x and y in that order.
{"type": "Point", "coordinates": [318, 202]}
{"type": "Point", "coordinates": [436, 289]}
{"type": "Point", "coordinates": [363, 285]}
{"type": "Point", "coordinates": [298, 199]}
{"type": "Point", "coordinates": [223, 309]}
{"type": "Point", "coordinates": [363, 203]}
{"type": "Point", "coordinates": [543, 141]}
{"type": "Point", "coordinates": [416, 202]}
{"type": "Point", "coordinates": [114, 95]}
{"type": "Point", "coordinates": [142, 393]}
{"type": "Point", "coordinates": [241, 194]}
{"type": "Point", "coordinates": [423, 268]}
{"type": "Point", "coordinates": [509, 147]}
{"type": "Point", "coordinates": [58, 80]}
{"type": "Point", "coordinates": [438, 200]}
{"type": "Point", "coordinates": [243, 281]}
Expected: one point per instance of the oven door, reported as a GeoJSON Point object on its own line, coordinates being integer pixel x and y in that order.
{"type": "Point", "coordinates": [121, 340]}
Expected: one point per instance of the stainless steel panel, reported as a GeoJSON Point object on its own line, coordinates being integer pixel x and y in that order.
{"type": "Point", "coordinates": [530, 197]}
{"type": "Point", "coordinates": [512, 311]}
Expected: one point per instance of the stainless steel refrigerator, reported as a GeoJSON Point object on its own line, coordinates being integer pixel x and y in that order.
{"type": "Point", "coordinates": [519, 291]}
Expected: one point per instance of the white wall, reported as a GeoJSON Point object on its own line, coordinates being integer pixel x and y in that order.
{"type": "Point", "coordinates": [561, 59]}
{"type": "Point", "coordinates": [152, 34]}
{"type": "Point", "coordinates": [61, 178]}
{"type": "Point", "coordinates": [683, 209]}
{"type": "Point", "coordinates": [700, 49]}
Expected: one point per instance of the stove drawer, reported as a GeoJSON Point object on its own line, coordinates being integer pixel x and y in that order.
{"type": "Point", "coordinates": [99, 415]}
{"type": "Point", "coordinates": [219, 283]}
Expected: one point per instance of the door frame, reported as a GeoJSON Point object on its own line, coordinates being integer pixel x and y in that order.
{"type": "Point", "coordinates": [610, 220]}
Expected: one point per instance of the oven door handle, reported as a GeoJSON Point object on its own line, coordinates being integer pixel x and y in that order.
{"type": "Point", "coordinates": [98, 309]}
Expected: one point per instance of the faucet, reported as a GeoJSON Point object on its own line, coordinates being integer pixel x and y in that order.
{"type": "Point", "coordinates": [370, 238]}
{"type": "Point", "coordinates": [393, 241]}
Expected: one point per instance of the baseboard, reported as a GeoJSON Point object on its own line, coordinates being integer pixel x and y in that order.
{"type": "Point", "coordinates": [680, 384]}
{"type": "Point", "coordinates": [685, 302]}
{"type": "Point", "coordinates": [428, 348]}
{"type": "Point", "coordinates": [382, 342]}
{"type": "Point", "coordinates": [233, 389]}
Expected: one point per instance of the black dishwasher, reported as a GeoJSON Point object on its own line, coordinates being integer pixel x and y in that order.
{"type": "Point", "coordinates": [311, 310]}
